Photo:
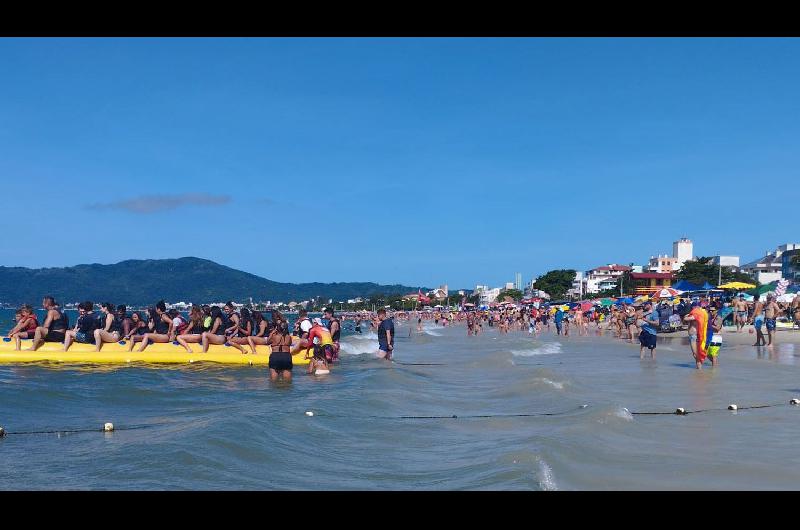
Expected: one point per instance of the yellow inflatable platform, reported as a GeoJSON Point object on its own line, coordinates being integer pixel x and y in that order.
{"type": "Point", "coordinates": [117, 353]}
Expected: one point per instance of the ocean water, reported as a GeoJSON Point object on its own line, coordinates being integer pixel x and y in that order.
{"type": "Point", "coordinates": [390, 426]}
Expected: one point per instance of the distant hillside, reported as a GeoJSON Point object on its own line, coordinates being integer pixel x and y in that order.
{"type": "Point", "coordinates": [140, 282]}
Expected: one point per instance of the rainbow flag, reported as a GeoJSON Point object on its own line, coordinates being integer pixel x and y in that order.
{"type": "Point", "coordinates": [703, 337]}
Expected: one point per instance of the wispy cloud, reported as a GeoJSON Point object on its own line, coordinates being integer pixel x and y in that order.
{"type": "Point", "coordinates": [160, 203]}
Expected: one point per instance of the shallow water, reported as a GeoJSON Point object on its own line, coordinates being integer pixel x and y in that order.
{"type": "Point", "coordinates": [209, 427]}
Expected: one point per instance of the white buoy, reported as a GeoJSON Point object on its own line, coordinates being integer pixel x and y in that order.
{"type": "Point", "coordinates": [795, 401]}
{"type": "Point", "coordinates": [680, 411]}
{"type": "Point", "coordinates": [732, 406]}
{"type": "Point", "coordinates": [2, 432]}
{"type": "Point", "coordinates": [309, 413]}
{"type": "Point", "coordinates": [108, 427]}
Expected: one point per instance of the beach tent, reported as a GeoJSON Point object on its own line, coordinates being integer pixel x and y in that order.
{"type": "Point", "coordinates": [683, 285]}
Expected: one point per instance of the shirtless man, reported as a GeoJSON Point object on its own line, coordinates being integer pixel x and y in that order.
{"type": "Point", "coordinates": [758, 321]}
{"type": "Point", "coordinates": [771, 312]}
{"type": "Point", "coordinates": [740, 308]}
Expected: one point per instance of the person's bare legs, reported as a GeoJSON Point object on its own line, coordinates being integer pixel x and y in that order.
{"type": "Point", "coordinates": [69, 336]}
{"type": "Point", "coordinates": [38, 338]}
{"type": "Point", "coordinates": [237, 343]}
{"type": "Point", "coordinates": [183, 340]}
{"type": "Point", "coordinates": [152, 337]}
{"type": "Point", "coordinates": [253, 341]}
{"type": "Point", "coordinates": [208, 338]}
{"type": "Point", "coordinates": [101, 336]}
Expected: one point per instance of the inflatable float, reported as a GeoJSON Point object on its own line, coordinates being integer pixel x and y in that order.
{"type": "Point", "coordinates": [117, 353]}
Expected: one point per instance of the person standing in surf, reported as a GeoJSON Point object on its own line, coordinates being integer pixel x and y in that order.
{"type": "Point", "coordinates": [385, 336]}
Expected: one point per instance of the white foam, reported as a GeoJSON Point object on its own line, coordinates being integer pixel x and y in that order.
{"type": "Point", "coordinates": [554, 384]}
{"type": "Point", "coordinates": [546, 480]}
{"type": "Point", "coordinates": [370, 336]}
{"type": "Point", "coordinates": [624, 414]}
{"type": "Point", "coordinates": [358, 348]}
{"type": "Point", "coordinates": [549, 348]}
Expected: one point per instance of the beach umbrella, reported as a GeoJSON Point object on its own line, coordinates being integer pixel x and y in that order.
{"type": "Point", "coordinates": [586, 306]}
{"type": "Point", "coordinates": [735, 285]}
{"type": "Point", "coordinates": [642, 298]}
{"type": "Point", "coordinates": [764, 288]}
{"type": "Point", "coordinates": [794, 288]}
{"type": "Point", "coordinates": [667, 292]}
{"type": "Point", "coordinates": [780, 290]}
{"type": "Point", "coordinates": [605, 302]}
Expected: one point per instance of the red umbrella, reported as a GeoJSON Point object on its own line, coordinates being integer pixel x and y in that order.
{"type": "Point", "coordinates": [667, 292]}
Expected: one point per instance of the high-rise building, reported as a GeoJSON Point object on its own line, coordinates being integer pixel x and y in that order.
{"type": "Point", "coordinates": [682, 251]}
{"type": "Point", "coordinates": [519, 281]}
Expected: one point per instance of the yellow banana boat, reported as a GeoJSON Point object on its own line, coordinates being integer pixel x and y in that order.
{"type": "Point", "coordinates": [117, 353]}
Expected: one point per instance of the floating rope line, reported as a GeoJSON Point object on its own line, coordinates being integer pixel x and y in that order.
{"type": "Point", "coordinates": [450, 416]}
{"type": "Point", "coordinates": [108, 427]}
{"type": "Point", "coordinates": [680, 411]}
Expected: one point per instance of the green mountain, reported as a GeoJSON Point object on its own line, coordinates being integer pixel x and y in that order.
{"type": "Point", "coordinates": [141, 282]}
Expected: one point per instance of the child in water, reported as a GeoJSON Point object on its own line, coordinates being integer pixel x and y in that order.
{"type": "Point", "coordinates": [318, 364]}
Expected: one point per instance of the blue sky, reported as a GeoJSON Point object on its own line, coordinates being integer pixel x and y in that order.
{"type": "Point", "coordinates": [416, 161]}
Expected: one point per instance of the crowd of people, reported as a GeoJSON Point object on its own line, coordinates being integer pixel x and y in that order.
{"type": "Point", "coordinates": [205, 325]}
{"type": "Point", "coordinates": [246, 329]}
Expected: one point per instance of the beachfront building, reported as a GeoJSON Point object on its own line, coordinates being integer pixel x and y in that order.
{"type": "Point", "coordinates": [440, 293]}
{"type": "Point", "coordinates": [647, 282]}
{"type": "Point", "coordinates": [487, 296]}
{"type": "Point", "coordinates": [663, 263]}
{"type": "Point", "coordinates": [727, 261]}
{"type": "Point", "coordinates": [604, 277]}
{"type": "Point", "coordinates": [682, 251]}
{"type": "Point", "coordinates": [576, 290]}
{"type": "Point", "coordinates": [789, 270]}
{"type": "Point", "coordinates": [769, 268]}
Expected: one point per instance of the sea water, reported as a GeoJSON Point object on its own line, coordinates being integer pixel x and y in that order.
{"type": "Point", "coordinates": [378, 425]}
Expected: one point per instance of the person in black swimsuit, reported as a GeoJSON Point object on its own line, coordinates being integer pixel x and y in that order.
{"type": "Point", "coordinates": [162, 327]}
{"type": "Point", "coordinates": [108, 327]}
{"type": "Point", "coordinates": [54, 327]}
{"type": "Point", "coordinates": [280, 360]}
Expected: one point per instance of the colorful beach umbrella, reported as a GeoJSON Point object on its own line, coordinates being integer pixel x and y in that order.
{"type": "Point", "coordinates": [667, 292]}
{"type": "Point", "coordinates": [605, 302]}
{"type": "Point", "coordinates": [780, 290]}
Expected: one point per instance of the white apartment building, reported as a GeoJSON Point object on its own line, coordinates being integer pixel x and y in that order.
{"type": "Point", "coordinates": [769, 268]}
